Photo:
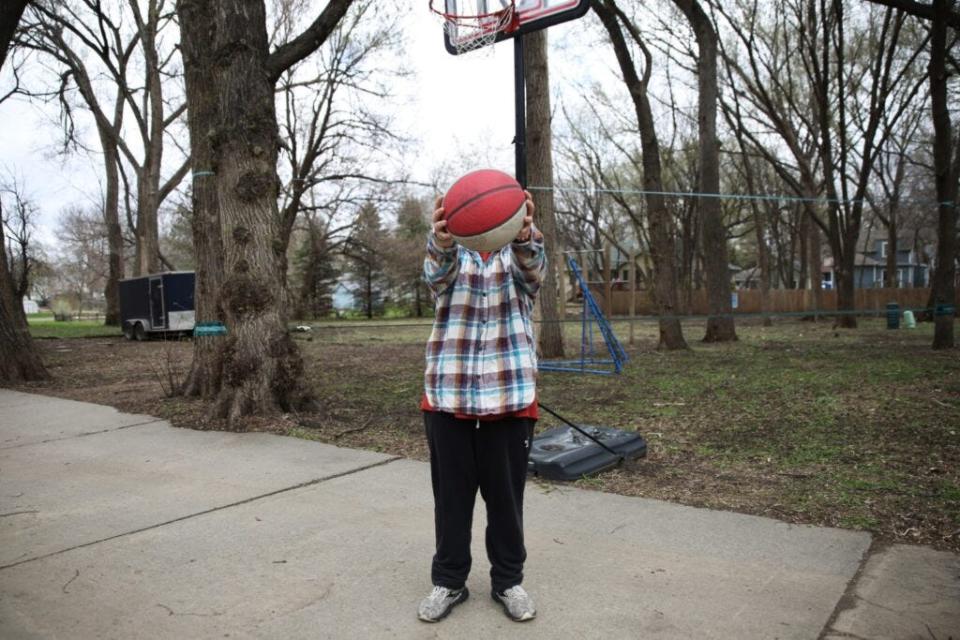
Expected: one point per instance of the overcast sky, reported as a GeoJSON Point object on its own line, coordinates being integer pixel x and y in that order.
{"type": "Point", "coordinates": [453, 104]}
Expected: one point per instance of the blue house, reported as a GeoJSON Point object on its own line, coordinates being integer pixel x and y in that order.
{"type": "Point", "coordinates": [870, 266]}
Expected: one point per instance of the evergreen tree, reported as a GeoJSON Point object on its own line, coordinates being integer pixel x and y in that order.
{"type": "Point", "coordinates": [318, 274]}
{"type": "Point", "coordinates": [405, 255]}
{"type": "Point", "coordinates": [365, 258]}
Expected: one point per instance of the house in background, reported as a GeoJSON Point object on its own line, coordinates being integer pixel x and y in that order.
{"type": "Point", "coordinates": [30, 306]}
{"type": "Point", "coordinates": [870, 267]}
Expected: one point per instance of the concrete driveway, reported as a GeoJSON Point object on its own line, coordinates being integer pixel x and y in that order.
{"type": "Point", "coordinates": [121, 526]}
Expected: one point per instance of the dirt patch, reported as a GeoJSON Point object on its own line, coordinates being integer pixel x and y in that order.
{"type": "Point", "coordinates": [856, 429]}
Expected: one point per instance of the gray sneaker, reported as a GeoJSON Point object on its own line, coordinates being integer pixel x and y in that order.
{"type": "Point", "coordinates": [440, 602]}
{"type": "Point", "coordinates": [517, 603]}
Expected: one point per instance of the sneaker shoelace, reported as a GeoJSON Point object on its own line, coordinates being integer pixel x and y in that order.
{"type": "Point", "coordinates": [439, 593]}
{"type": "Point", "coordinates": [515, 592]}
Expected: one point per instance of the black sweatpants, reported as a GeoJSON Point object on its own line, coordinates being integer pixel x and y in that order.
{"type": "Point", "coordinates": [466, 455]}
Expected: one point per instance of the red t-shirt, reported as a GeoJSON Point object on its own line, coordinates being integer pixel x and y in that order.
{"type": "Point", "coordinates": [530, 412]}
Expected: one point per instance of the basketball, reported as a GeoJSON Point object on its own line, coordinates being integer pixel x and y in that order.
{"type": "Point", "coordinates": [484, 210]}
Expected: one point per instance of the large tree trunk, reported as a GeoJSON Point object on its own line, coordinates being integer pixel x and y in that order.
{"type": "Point", "coordinates": [19, 360]}
{"type": "Point", "coordinates": [720, 324]}
{"type": "Point", "coordinates": [262, 368]}
{"type": "Point", "coordinates": [947, 170]}
{"type": "Point", "coordinates": [846, 291]}
{"type": "Point", "coordinates": [540, 173]}
{"type": "Point", "coordinates": [661, 237]}
{"type": "Point", "coordinates": [258, 365]}
{"type": "Point", "coordinates": [197, 30]}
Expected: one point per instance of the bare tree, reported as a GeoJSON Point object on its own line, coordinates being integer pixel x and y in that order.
{"type": "Point", "coordinates": [19, 220]}
{"type": "Point", "coordinates": [856, 64]}
{"type": "Point", "coordinates": [92, 40]}
{"type": "Point", "coordinates": [890, 171]}
{"type": "Point", "coordinates": [258, 367]}
{"type": "Point", "coordinates": [720, 324]}
{"type": "Point", "coordinates": [332, 124]}
{"type": "Point", "coordinates": [19, 360]}
{"type": "Point", "coordinates": [83, 264]}
{"type": "Point", "coordinates": [18, 355]}
{"type": "Point", "coordinates": [661, 247]}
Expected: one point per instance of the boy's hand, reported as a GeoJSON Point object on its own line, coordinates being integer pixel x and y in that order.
{"type": "Point", "coordinates": [443, 239]}
{"type": "Point", "coordinates": [525, 231]}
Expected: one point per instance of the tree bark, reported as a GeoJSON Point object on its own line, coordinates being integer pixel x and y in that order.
{"type": "Point", "coordinates": [891, 281]}
{"type": "Point", "coordinates": [111, 218]}
{"type": "Point", "coordinates": [947, 175]}
{"type": "Point", "coordinates": [261, 367]}
{"type": "Point", "coordinates": [19, 360]}
{"type": "Point", "coordinates": [540, 173]}
{"type": "Point", "coordinates": [815, 262]}
{"type": "Point", "coordinates": [720, 323]}
{"type": "Point", "coordinates": [197, 30]}
{"type": "Point", "coordinates": [661, 241]}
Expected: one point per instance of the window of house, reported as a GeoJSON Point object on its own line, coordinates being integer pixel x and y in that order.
{"type": "Point", "coordinates": [883, 248]}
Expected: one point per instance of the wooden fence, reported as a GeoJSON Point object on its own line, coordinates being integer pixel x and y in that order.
{"type": "Point", "coordinates": [778, 301]}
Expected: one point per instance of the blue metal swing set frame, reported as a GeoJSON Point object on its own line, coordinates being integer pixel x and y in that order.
{"type": "Point", "coordinates": [589, 362]}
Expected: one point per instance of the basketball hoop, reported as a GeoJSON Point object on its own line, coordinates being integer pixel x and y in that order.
{"type": "Point", "coordinates": [470, 25]}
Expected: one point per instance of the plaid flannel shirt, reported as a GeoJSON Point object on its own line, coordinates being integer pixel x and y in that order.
{"type": "Point", "coordinates": [481, 355]}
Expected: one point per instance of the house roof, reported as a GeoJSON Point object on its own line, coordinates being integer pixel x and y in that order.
{"type": "Point", "coordinates": [862, 260]}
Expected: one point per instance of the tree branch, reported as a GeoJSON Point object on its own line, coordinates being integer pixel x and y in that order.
{"type": "Point", "coordinates": [920, 10]}
{"type": "Point", "coordinates": [307, 42]}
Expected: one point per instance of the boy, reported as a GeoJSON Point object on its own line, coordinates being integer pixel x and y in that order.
{"type": "Point", "coordinates": [479, 408]}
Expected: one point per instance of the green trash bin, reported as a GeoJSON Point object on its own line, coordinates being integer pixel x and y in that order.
{"type": "Point", "coordinates": [893, 315]}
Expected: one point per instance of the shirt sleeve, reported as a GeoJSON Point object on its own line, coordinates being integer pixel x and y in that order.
{"type": "Point", "coordinates": [441, 266]}
{"type": "Point", "coordinates": [529, 263]}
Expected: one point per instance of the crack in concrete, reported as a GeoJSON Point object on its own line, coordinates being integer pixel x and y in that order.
{"type": "Point", "coordinates": [81, 435]}
{"type": "Point", "coordinates": [206, 511]}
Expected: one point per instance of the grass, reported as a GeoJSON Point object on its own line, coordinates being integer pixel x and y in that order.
{"type": "Point", "coordinates": [44, 326]}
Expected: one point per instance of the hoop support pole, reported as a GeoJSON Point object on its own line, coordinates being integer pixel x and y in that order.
{"type": "Point", "coordinates": [520, 106]}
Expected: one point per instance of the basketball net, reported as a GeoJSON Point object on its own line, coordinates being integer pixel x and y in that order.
{"type": "Point", "coordinates": [470, 25]}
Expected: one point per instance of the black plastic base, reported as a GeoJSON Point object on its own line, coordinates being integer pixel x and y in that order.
{"type": "Point", "coordinates": [563, 453]}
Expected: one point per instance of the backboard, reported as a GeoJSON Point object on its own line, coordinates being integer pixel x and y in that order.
{"type": "Point", "coordinates": [533, 15]}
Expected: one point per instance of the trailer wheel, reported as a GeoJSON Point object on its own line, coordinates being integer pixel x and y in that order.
{"type": "Point", "coordinates": [138, 333]}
